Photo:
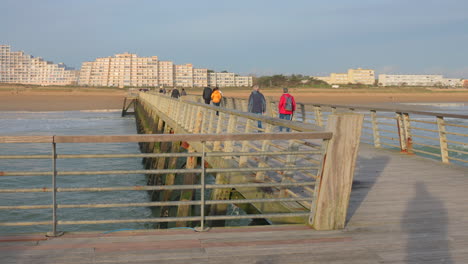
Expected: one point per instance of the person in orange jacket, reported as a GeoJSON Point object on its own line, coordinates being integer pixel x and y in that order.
{"type": "Point", "coordinates": [216, 97]}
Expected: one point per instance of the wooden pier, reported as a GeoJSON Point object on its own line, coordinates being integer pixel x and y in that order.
{"type": "Point", "coordinates": [402, 209]}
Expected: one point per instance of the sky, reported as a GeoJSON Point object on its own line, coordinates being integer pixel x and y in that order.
{"type": "Point", "coordinates": [257, 37]}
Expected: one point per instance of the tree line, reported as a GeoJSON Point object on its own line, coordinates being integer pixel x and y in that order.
{"type": "Point", "coordinates": [294, 80]}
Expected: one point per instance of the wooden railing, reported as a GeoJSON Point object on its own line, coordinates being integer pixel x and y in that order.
{"type": "Point", "coordinates": [435, 135]}
{"type": "Point", "coordinates": [186, 116]}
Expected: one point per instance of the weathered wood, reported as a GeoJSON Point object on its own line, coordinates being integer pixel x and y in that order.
{"type": "Point", "coordinates": [338, 171]}
{"type": "Point", "coordinates": [375, 129]}
{"type": "Point", "coordinates": [443, 140]}
{"type": "Point", "coordinates": [189, 178]}
{"type": "Point", "coordinates": [401, 132]}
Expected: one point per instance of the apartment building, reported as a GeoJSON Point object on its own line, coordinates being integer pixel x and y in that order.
{"type": "Point", "coordinates": [353, 76]}
{"type": "Point", "coordinates": [21, 68]}
{"type": "Point", "coordinates": [222, 79]}
{"type": "Point", "coordinates": [184, 75]}
{"type": "Point", "coordinates": [417, 80]}
{"type": "Point", "coordinates": [361, 76]}
{"type": "Point", "coordinates": [339, 78]}
{"type": "Point", "coordinates": [243, 81]}
{"type": "Point", "coordinates": [129, 70]}
{"type": "Point", "coordinates": [166, 73]}
{"type": "Point", "coordinates": [200, 77]}
{"type": "Point", "coordinates": [120, 71]}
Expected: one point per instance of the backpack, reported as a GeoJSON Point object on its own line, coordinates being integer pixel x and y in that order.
{"type": "Point", "coordinates": [288, 105]}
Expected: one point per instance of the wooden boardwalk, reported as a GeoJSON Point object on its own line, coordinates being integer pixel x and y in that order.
{"type": "Point", "coordinates": [403, 209]}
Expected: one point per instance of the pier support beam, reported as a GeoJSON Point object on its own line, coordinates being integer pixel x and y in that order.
{"type": "Point", "coordinates": [336, 179]}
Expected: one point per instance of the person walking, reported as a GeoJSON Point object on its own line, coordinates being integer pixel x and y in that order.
{"type": "Point", "coordinates": [207, 94]}
{"type": "Point", "coordinates": [216, 97]}
{"type": "Point", "coordinates": [175, 93]}
{"type": "Point", "coordinates": [183, 92]}
{"type": "Point", "coordinates": [257, 103]}
{"type": "Point", "coordinates": [286, 107]}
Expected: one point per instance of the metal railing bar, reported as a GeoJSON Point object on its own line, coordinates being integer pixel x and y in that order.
{"type": "Point", "coordinates": [455, 125]}
{"type": "Point", "coordinates": [170, 137]}
{"type": "Point", "coordinates": [385, 124]}
{"type": "Point", "coordinates": [252, 169]}
{"type": "Point", "coordinates": [241, 185]}
{"type": "Point", "coordinates": [158, 187]}
{"type": "Point", "coordinates": [26, 223]}
{"type": "Point", "coordinates": [453, 158]}
{"type": "Point", "coordinates": [255, 216]}
{"type": "Point", "coordinates": [426, 145]}
{"type": "Point", "coordinates": [458, 151]}
{"type": "Point", "coordinates": [143, 155]}
{"type": "Point", "coordinates": [122, 221]}
{"type": "Point", "coordinates": [390, 145]}
{"type": "Point", "coordinates": [388, 131]}
{"type": "Point", "coordinates": [425, 152]}
{"type": "Point", "coordinates": [423, 121]}
{"type": "Point", "coordinates": [385, 117]}
{"type": "Point", "coordinates": [390, 138]}
{"type": "Point", "coordinates": [456, 134]}
{"type": "Point", "coordinates": [425, 129]}
{"type": "Point", "coordinates": [265, 153]}
{"type": "Point", "coordinates": [457, 142]}
{"type": "Point", "coordinates": [425, 137]}
{"type": "Point", "coordinates": [26, 157]}
{"type": "Point", "coordinates": [25, 173]}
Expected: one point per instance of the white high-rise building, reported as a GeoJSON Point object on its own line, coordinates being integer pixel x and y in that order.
{"type": "Point", "coordinates": [18, 67]}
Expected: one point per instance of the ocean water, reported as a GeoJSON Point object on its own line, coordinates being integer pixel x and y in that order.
{"type": "Point", "coordinates": [70, 123]}
{"type": "Point", "coordinates": [76, 123]}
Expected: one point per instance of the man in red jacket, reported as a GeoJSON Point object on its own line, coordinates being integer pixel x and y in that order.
{"type": "Point", "coordinates": [286, 107]}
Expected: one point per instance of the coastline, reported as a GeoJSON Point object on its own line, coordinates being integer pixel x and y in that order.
{"type": "Point", "coordinates": [111, 100]}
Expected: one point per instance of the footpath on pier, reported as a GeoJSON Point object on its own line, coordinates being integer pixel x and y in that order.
{"type": "Point", "coordinates": [403, 209]}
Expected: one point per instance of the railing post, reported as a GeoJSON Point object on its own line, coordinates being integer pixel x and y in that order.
{"type": "Point", "coordinates": [318, 115]}
{"type": "Point", "coordinates": [54, 232]}
{"type": "Point", "coordinates": [408, 136]}
{"type": "Point", "coordinates": [219, 130]}
{"type": "Point", "coordinates": [337, 174]}
{"type": "Point", "coordinates": [202, 191]}
{"type": "Point", "coordinates": [260, 175]}
{"type": "Point", "coordinates": [444, 154]}
{"type": "Point", "coordinates": [245, 144]}
{"type": "Point", "coordinates": [375, 129]}
{"type": "Point", "coordinates": [303, 113]}
{"type": "Point", "coordinates": [401, 132]}
{"type": "Point", "coordinates": [290, 162]}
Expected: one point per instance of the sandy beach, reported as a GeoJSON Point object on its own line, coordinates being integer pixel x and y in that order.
{"type": "Point", "coordinates": [11, 100]}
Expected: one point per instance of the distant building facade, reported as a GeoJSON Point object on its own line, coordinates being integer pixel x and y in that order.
{"type": "Point", "coordinates": [417, 80]}
{"type": "Point", "coordinates": [129, 70]}
{"type": "Point", "coordinates": [21, 68]}
{"type": "Point", "coordinates": [465, 83]}
{"type": "Point", "coordinates": [184, 75]}
{"type": "Point", "coordinates": [353, 76]}
{"type": "Point", "coordinates": [200, 77]}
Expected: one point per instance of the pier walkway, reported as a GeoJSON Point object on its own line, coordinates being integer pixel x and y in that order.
{"type": "Point", "coordinates": [402, 209]}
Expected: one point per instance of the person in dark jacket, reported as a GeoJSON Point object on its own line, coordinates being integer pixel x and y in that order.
{"type": "Point", "coordinates": [207, 94]}
{"type": "Point", "coordinates": [175, 93]}
{"type": "Point", "coordinates": [257, 103]}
